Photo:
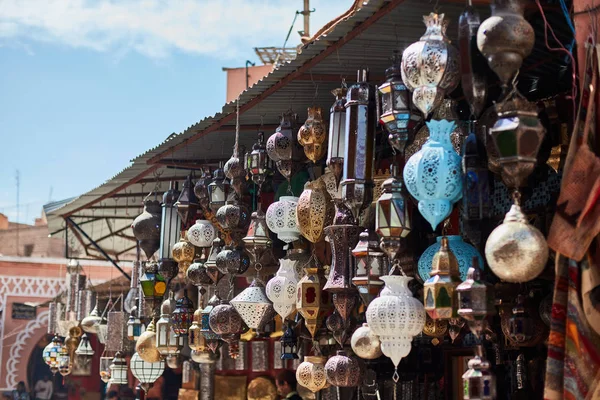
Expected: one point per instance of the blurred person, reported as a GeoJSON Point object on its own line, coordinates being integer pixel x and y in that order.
{"type": "Point", "coordinates": [43, 388]}
{"type": "Point", "coordinates": [20, 393]}
{"type": "Point", "coordinates": [286, 385]}
{"type": "Point", "coordinates": [112, 395]}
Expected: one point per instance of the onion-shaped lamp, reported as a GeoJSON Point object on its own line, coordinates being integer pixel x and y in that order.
{"type": "Point", "coordinates": [145, 372]}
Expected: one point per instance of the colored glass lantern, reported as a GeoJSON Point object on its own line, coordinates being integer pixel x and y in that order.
{"type": "Point", "coordinates": [218, 189]}
{"type": "Point", "coordinates": [85, 348]}
{"type": "Point", "coordinates": [517, 136]}
{"type": "Point", "coordinates": [463, 251]}
{"type": "Point", "coordinates": [396, 317]}
{"type": "Point", "coordinates": [166, 342]}
{"type": "Point", "coordinates": [344, 371]}
{"type": "Point", "coordinates": [258, 163]}
{"type": "Point", "coordinates": [433, 174]}
{"type": "Point", "coordinates": [479, 382]}
{"type": "Point", "coordinates": [51, 352]}
{"type": "Point", "coordinates": [440, 289]}
{"type": "Point", "coordinates": [134, 325]}
{"type": "Point", "coordinates": [146, 227]}
{"type": "Point", "coordinates": [146, 345]}
{"type": "Point", "coordinates": [314, 210]}
{"type": "Point", "coordinates": [394, 106]}
{"type": "Point", "coordinates": [283, 147]}
{"type": "Point", "coordinates": [365, 343]}
{"type": "Point", "coordinates": [153, 284]}
{"type": "Point", "coordinates": [225, 321]}
{"type": "Point", "coordinates": [170, 226]}
{"type": "Point", "coordinates": [281, 289]}
{"type": "Point", "coordinates": [118, 370]}
{"type": "Point", "coordinates": [202, 233]}
{"type": "Point", "coordinates": [369, 265]}
{"type": "Point", "coordinates": [475, 299]}
{"type": "Point", "coordinates": [146, 373]}
{"type": "Point", "coordinates": [520, 324]}
{"type": "Point", "coordinates": [311, 301]}
{"type": "Point", "coordinates": [357, 182]}
{"type": "Point", "coordinates": [183, 314]}
{"type": "Point", "coordinates": [311, 373]}
{"type": "Point", "coordinates": [313, 134]}
{"type": "Point", "coordinates": [253, 305]}
{"type": "Point", "coordinates": [196, 340]}
{"type": "Point", "coordinates": [393, 219]}
{"type": "Point", "coordinates": [212, 339]}
{"type": "Point", "coordinates": [257, 239]}
{"type": "Point", "coordinates": [289, 344]}
{"type": "Point", "coordinates": [201, 189]}
{"type": "Point", "coordinates": [430, 84]}
{"type": "Point", "coordinates": [64, 361]}
{"type": "Point", "coordinates": [281, 218]}
{"type": "Point", "coordinates": [187, 203]}
{"type": "Point", "coordinates": [337, 134]}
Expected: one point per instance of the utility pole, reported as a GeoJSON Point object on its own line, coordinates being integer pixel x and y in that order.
{"type": "Point", "coordinates": [18, 178]}
{"type": "Point", "coordinates": [306, 14]}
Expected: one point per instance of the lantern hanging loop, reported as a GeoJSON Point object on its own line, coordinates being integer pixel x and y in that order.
{"type": "Point", "coordinates": [155, 190]}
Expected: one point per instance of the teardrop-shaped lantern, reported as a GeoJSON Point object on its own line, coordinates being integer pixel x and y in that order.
{"type": "Point", "coordinates": [314, 211]}
{"type": "Point", "coordinates": [146, 227]}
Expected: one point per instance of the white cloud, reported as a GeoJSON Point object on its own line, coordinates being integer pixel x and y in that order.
{"type": "Point", "coordinates": [156, 28]}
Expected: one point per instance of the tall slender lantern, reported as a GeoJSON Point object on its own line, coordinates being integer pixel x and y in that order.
{"type": "Point", "coordinates": [281, 289]}
{"type": "Point", "coordinates": [337, 134]}
{"type": "Point", "coordinates": [170, 229]}
{"type": "Point", "coordinates": [440, 290]}
{"type": "Point", "coordinates": [182, 315]}
{"type": "Point", "coordinates": [187, 204]}
{"type": "Point", "coordinates": [475, 299]}
{"type": "Point", "coordinates": [370, 264]}
{"type": "Point", "coordinates": [312, 302]}
{"type": "Point", "coordinates": [166, 342]}
{"type": "Point", "coordinates": [357, 183]}
{"type": "Point", "coordinates": [283, 147]}
{"type": "Point", "coordinates": [394, 106]}
{"type": "Point", "coordinates": [201, 189]}
{"type": "Point", "coordinates": [218, 189]}
{"type": "Point", "coordinates": [258, 163]}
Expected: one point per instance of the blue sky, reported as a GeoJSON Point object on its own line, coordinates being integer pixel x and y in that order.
{"type": "Point", "coordinates": [88, 85]}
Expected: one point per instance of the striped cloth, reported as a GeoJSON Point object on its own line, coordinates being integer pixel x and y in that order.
{"type": "Point", "coordinates": [573, 363]}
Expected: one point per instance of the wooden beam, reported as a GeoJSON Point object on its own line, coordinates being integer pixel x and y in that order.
{"type": "Point", "coordinates": [117, 207]}
{"type": "Point", "coordinates": [112, 233]}
{"type": "Point", "coordinates": [283, 82]}
{"type": "Point", "coordinates": [376, 79]}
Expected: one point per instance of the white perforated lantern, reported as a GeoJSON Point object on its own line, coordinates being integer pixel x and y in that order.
{"type": "Point", "coordinates": [281, 289]}
{"type": "Point", "coordinates": [396, 317]}
{"type": "Point", "coordinates": [202, 233]}
{"type": "Point", "coordinates": [281, 218]}
{"type": "Point", "coordinates": [311, 373]}
{"type": "Point", "coordinates": [145, 372]}
{"type": "Point", "coordinates": [253, 305]}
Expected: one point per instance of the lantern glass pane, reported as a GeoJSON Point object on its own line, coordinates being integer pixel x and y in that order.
{"type": "Point", "coordinates": [400, 99]}
{"type": "Point", "coordinates": [170, 230]}
{"type": "Point", "coordinates": [386, 102]}
{"type": "Point", "coordinates": [337, 140]}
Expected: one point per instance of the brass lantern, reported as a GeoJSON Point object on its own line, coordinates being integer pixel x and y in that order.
{"type": "Point", "coordinates": [475, 299]}
{"type": "Point", "coordinates": [369, 264]}
{"type": "Point", "coordinates": [153, 284]}
{"type": "Point", "coordinates": [440, 290]}
{"type": "Point", "coordinates": [187, 204]}
{"type": "Point", "coordinates": [314, 210]}
{"type": "Point", "coordinates": [517, 136]}
{"type": "Point", "coordinates": [313, 134]}
{"type": "Point", "coordinates": [258, 163]}
{"type": "Point", "coordinates": [337, 135]}
{"type": "Point", "coordinates": [170, 228]}
{"type": "Point", "coordinates": [479, 382]}
{"type": "Point", "coordinates": [309, 301]}
{"type": "Point", "coordinates": [146, 345]}
{"type": "Point", "coordinates": [201, 189]}
{"type": "Point", "coordinates": [196, 339]}
{"type": "Point", "coordinates": [257, 239]}
{"type": "Point", "coordinates": [146, 227]}
{"type": "Point", "coordinates": [218, 189]}
{"type": "Point", "coordinates": [392, 219]}
{"type": "Point", "coordinates": [394, 106]}
{"type": "Point", "coordinates": [359, 155]}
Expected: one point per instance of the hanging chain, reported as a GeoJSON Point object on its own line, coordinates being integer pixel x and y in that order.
{"type": "Point", "coordinates": [237, 128]}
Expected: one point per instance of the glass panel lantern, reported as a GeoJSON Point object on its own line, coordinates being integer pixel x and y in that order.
{"type": "Point", "coordinates": [258, 163]}
{"type": "Point", "coordinates": [171, 222]}
{"type": "Point", "coordinates": [479, 382]}
{"type": "Point", "coordinates": [153, 284]}
{"type": "Point", "coordinates": [218, 190]}
{"type": "Point", "coordinates": [165, 343]}
{"type": "Point", "coordinates": [370, 264]}
{"type": "Point", "coordinates": [337, 134]}
{"type": "Point", "coordinates": [84, 348]}
{"type": "Point", "coordinates": [64, 361]}
{"type": "Point", "coordinates": [289, 344]}
{"type": "Point", "coordinates": [520, 324]}
{"type": "Point", "coordinates": [475, 299]}
{"type": "Point", "coordinates": [312, 302]}
{"type": "Point", "coordinates": [201, 189]}
{"type": "Point", "coordinates": [182, 315]}
{"type": "Point", "coordinates": [51, 352]}
{"type": "Point", "coordinates": [440, 290]}
{"type": "Point", "coordinates": [394, 106]}
{"type": "Point", "coordinates": [118, 370]}
{"type": "Point", "coordinates": [196, 340]}
{"type": "Point", "coordinates": [187, 204]}
{"type": "Point", "coordinates": [257, 238]}
{"type": "Point", "coordinates": [145, 372]}
{"type": "Point", "coordinates": [134, 325]}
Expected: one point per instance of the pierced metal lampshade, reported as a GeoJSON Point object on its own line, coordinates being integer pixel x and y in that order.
{"type": "Point", "coordinates": [253, 305]}
{"type": "Point", "coordinates": [187, 204]}
{"type": "Point", "coordinates": [146, 227]}
{"type": "Point", "coordinates": [201, 189]}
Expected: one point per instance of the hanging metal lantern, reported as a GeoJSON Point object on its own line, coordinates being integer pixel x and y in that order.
{"type": "Point", "coordinates": [233, 217]}
{"type": "Point", "coordinates": [233, 260]}
{"type": "Point", "coordinates": [365, 343]}
{"type": "Point", "coordinates": [455, 325]}
{"type": "Point", "coordinates": [396, 317]}
{"type": "Point", "coordinates": [258, 163]}
{"type": "Point", "coordinates": [211, 261]}
{"type": "Point", "coordinates": [479, 383]}
{"type": "Point", "coordinates": [51, 352]}
{"type": "Point", "coordinates": [257, 239]}
{"type": "Point", "coordinates": [64, 362]}
{"type": "Point", "coordinates": [166, 343]}
{"type": "Point", "coordinates": [183, 314]}
{"type": "Point", "coordinates": [85, 348]}
{"type": "Point", "coordinates": [357, 182]}
{"type": "Point", "coordinates": [463, 251]}
{"type": "Point", "coordinates": [146, 227]}
{"type": "Point", "coordinates": [197, 273]}
{"type": "Point", "coordinates": [90, 323]}
{"type": "Point", "coordinates": [430, 67]}
{"type": "Point", "coordinates": [281, 289]}
{"type": "Point", "coordinates": [313, 134]}
{"type": "Point", "coordinates": [201, 189]}
{"type": "Point", "coordinates": [234, 170]}
{"type": "Point", "coordinates": [517, 136]}
{"type": "Point", "coordinates": [433, 174]}
{"type": "Point", "coordinates": [370, 264]}
{"type": "Point", "coordinates": [145, 372]}
{"type": "Point", "coordinates": [337, 326]}
{"type": "Point", "coordinates": [283, 147]}
{"type": "Point", "coordinates": [440, 290]}
{"type": "Point", "coordinates": [134, 325]}
{"type": "Point", "coordinates": [202, 233]}
{"type": "Point", "coordinates": [311, 373]}
{"type": "Point", "coordinates": [218, 189]}
{"type": "Point", "coordinates": [183, 251]}
{"type": "Point", "coordinates": [146, 345]}
{"type": "Point", "coordinates": [212, 339]}
{"type": "Point", "coordinates": [170, 228]}
{"type": "Point", "coordinates": [393, 219]}
{"type": "Point", "coordinates": [196, 340]}
{"type": "Point", "coordinates": [225, 321]}
{"type": "Point", "coordinates": [281, 218]}
{"type": "Point", "coordinates": [475, 299]}
{"type": "Point", "coordinates": [337, 134]}
{"type": "Point", "coordinates": [505, 39]}
{"type": "Point", "coordinates": [314, 210]}
{"type": "Point", "coordinates": [394, 106]}
{"type": "Point", "coordinates": [153, 284]}
{"type": "Point", "coordinates": [105, 363]}
{"type": "Point", "coordinates": [253, 306]}
{"type": "Point", "coordinates": [516, 251]}
{"type": "Point", "coordinates": [344, 371]}
{"type": "Point", "coordinates": [289, 344]}
{"type": "Point", "coordinates": [472, 62]}
{"type": "Point", "coordinates": [118, 370]}
{"type": "Point", "coordinates": [520, 325]}
{"type": "Point", "coordinates": [435, 328]}
{"type": "Point", "coordinates": [311, 301]}
{"type": "Point", "coordinates": [187, 204]}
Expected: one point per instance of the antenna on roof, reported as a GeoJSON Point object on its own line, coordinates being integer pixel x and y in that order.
{"type": "Point", "coordinates": [18, 179]}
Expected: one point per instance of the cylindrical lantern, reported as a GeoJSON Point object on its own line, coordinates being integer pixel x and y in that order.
{"type": "Point", "coordinates": [357, 183]}
{"type": "Point", "coordinates": [337, 134]}
{"type": "Point", "coordinates": [313, 134]}
{"type": "Point", "coordinates": [146, 227]}
{"type": "Point", "coordinates": [170, 226]}
{"type": "Point", "coordinates": [218, 189]}
{"type": "Point", "coordinates": [281, 218]}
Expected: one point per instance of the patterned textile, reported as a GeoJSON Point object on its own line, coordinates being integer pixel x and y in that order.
{"type": "Point", "coordinates": [573, 364]}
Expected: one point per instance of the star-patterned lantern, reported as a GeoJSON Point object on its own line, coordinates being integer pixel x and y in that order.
{"type": "Point", "coordinates": [146, 227]}
{"type": "Point", "coordinates": [234, 218]}
{"type": "Point", "coordinates": [337, 134]}
{"type": "Point", "coordinates": [253, 306]}
{"type": "Point", "coordinates": [202, 233]}
{"type": "Point", "coordinates": [313, 134]}
{"type": "Point", "coordinates": [233, 260]}
{"type": "Point", "coordinates": [187, 204]}
{"type": "Point", "coordinates": [183, 314]}
{"type": "Point", "coordinates": [475, 299]}
{"type": "Point", "coordinates": [440, 290]}
{"type": "Point", "coordinates": [311, 301]}
{"type": "Point", "coordinates": [314, 211]}
{"type": "Point", "coordinates": [370, 264]}
{"type": "Point", "coordinates": [281, 289]}
{"type": "Point", "coordinates": [283, 147]}
{"type": "Point", "coordinates": [281, 218]}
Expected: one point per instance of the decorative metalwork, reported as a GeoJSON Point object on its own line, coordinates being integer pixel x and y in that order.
{"type": "Point", "coordinates": [365, 343]}
{"type": "Point", "coordinates": [370, 263]}
{"type": "Point", "coordinates": [337, 135]}
{"type": "Point", "coordinates": [257, 240]}
{"type": "Point", "coordinates": [435, 328]}
{"type": "Point", "coordinates": [201, 189]}
{"type": "Point", "coordinates": [225, 321]}
{"type": "Point", "coordinates": [183, 314]}
{"type": "Point", "coordinates": [187, 204]}
{"type": "Point", "coordinates": [281, 289]}
{"type": "Point", "coordinates": [234, 218]}
{"type": "Point", "coordinates": [430, 67]}
{"type": "Point", "coordinates": [440, 289]}
{"type": "Point", "coordinates": [343, 371]}
{"type": "Point", "coordinates": [463, 251]}
{"type": "Point", "coordinates": [197, 273]}
{"type": "Point", "coordinates": [170, 228]}
{"type": "Point", "coordinates": [311, 301]}
{"type": "Point", "coordinates": [313, 135]}
{"type": "Point", "coordinates": [232, 260]}
{"type": "Point", "coordinates": [289, 344]}
{"type": "Point", "coordinates": [314, 210]}
{"type": "Point", "coordinates": [253, 306]}
{"type": "Point", "coordinates": [118, 370]}
{"type": "Point", "coordinates": [202, 233]}
{"type": "Point", "coordinates": [183, 251]}
{"type": "Point", "coordinates": [146, 227]}
{"type": "Point", "coordinates": [472, 63]}
{"type": "Point", "coordinates": [311, 373]}
{"type": "Point", "coordinates": [479, 383]}
{"type": "Point", "coordinates": [281, 218]}
{"type": "Point", "coordinates": [117, 331]}
{"type": "Point", "coordinates": [166, 340]}
{"type": "Point", "coordinates": [283, 147]}
{"type": "Point", "coordinates": [146, 345]}
{"type": "Point", "coordinates": [258, 163]}
{"type": "Point", "coordinates": [218, 189]}
{"type": "Point", "coordinates": [235, 171]}
{"type": "Point", "coordinates": [475, 299]}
